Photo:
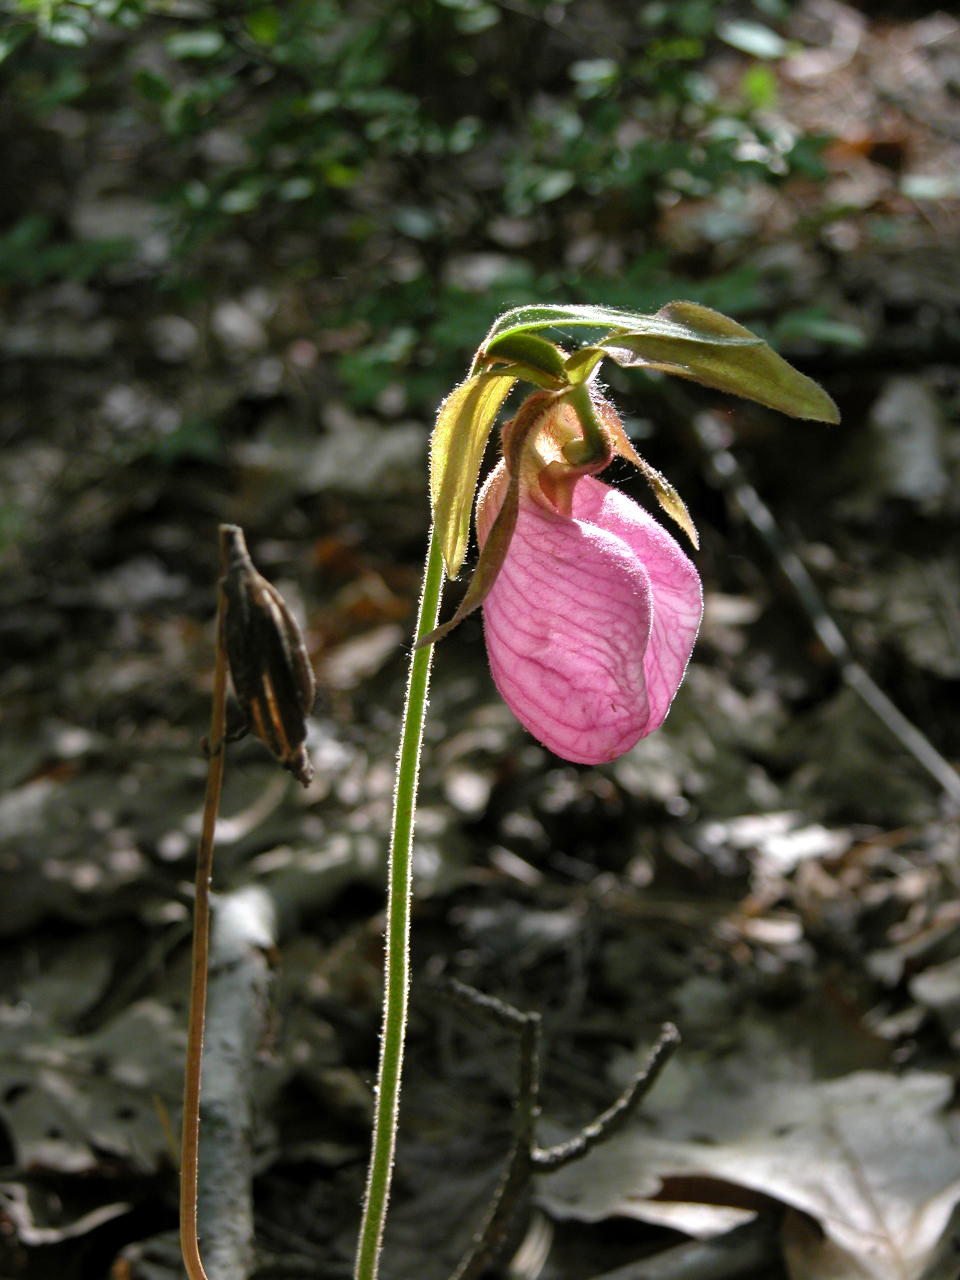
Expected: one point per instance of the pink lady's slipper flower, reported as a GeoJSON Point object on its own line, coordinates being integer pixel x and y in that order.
{"type": "Point", "coordinates": [590, 607]}
{"type": "Point", "coordinates": [593, 613]}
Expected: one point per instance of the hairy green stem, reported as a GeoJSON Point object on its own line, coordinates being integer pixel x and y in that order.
{"type": "Point", "coordinates": [397, 957]}
{"type": "Point", "coordinates": [595, 443]}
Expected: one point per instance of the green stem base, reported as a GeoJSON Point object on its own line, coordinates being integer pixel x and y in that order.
{"type": "Point", "coordinates": [397, 958]}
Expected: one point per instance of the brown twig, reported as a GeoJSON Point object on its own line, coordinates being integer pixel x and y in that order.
{"type": "Point", "coordinates": [609, 1121]}
{"type": "Point", "coordinates": [190, 1127]}
{"type": "Point", "coordinates": [516, 1174]}
{"type": "Point", "coordinates": [526, 1158]}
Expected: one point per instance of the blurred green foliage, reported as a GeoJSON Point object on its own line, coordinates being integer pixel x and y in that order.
{"type": "Point", "coordinates": [31, 254]}
{"type": "Point", "coordinates": [364, 148]}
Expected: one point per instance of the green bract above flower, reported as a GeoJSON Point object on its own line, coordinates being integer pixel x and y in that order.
{"type": "Point", "coordinates": [682, 338]}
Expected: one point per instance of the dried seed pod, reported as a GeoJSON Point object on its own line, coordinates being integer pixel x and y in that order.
{"type": "Point", "coordinates": [271, 673]}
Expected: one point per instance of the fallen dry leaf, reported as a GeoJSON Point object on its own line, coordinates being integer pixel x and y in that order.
{"type": "Point", "coordinates": [872, 1159]}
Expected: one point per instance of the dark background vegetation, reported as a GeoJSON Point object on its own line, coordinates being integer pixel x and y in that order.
{"type": "Point", "coordinates": [245, 249]}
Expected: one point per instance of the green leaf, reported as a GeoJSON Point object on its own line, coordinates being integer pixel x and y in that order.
{"type": "Point", "coordinates": [813, 323]}
{"type": "Point", "coordinates": [72, 32]}
{"type": "Point", "coordinates": [456, 451]}
{"type": "Point", "coordinates": [12, 39]}
{"type": "Point", "coordinates": [686, 339]}
{"type": "Point", "coordinates": [759, 87]}
{"type": "Point", "coordinates": [536, 376]}
{"type": "Point", "coordinates": [153, 87]}
{"type": "Point", "coordinates": [720, 353]}
{"type": "Point", "coordinates": [264, 26]}
{"type": "Point", "coordinates": [528, 349]}
{"type": "Point", "coordinates": [552, 316]}
{"type": "Point", "coordinates": [752, 37]}
{"type": "Point", "coordinates": [205, 42]}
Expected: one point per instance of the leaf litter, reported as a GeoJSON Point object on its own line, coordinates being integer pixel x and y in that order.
{"type": "Point", "coordinates": [872, 1159]}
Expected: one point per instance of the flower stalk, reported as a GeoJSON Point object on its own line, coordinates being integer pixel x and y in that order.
{"type": "Point", "coordinates": [397, 943]}
{"type": "Point", "coordinates": [259, 643]}
{"type": "Point", "coordinates": [200, 958]}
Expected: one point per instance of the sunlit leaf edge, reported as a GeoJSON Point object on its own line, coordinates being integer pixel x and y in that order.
{"type": "Point", "coordinates": [552, 315]}
{"type": "Point", "coordinates": [775, 383]}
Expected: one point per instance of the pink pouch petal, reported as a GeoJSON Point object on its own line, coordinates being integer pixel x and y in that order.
{"type": "Point", "coordinates": [677, 591]}
{"type": "Point", "coordinates": [590, 622]}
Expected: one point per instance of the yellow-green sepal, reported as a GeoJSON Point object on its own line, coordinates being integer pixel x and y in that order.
{"type": "Point", "coordinates": [459, 438]}
{"type": "Point", "coordinates": [712, 349]}
{"type": "Point", "coordinates": [495, 548]}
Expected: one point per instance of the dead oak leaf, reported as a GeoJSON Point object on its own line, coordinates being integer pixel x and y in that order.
{"type": "Point", "coordinates": [872, 1159]}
